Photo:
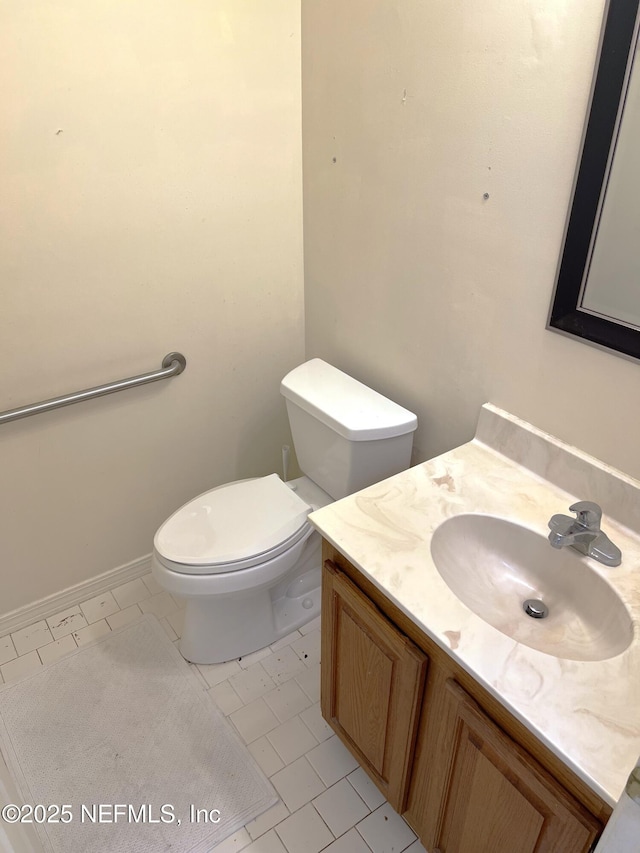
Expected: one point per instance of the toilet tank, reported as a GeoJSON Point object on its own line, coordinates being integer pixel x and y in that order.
{"type": "Point", "coordinates": [346, 435]}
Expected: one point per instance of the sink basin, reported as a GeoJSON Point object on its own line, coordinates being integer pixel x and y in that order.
{"type": "Point", "coordinates": [493, 566]}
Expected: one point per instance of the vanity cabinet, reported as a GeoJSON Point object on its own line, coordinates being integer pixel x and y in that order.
{"type": "Point", "coordinates": [467, 776]}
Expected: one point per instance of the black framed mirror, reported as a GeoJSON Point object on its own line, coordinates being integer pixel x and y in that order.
{"type": "Point", "coordinates": [597, 295]}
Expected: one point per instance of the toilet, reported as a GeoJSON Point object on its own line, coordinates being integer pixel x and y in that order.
{"type": "Point", "coordinates": [244, 555]}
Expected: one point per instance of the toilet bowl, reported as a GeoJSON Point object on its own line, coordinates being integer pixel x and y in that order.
{"type": "Point", "coordinates": [244, 555]}
{"type": "Point", "coordinates": [246, 560]}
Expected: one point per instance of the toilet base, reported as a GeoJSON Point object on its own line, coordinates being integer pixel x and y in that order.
{"type": "Point", "coordinates": [210, 633]}
{"type": "Point", "coordinates": [222, 628]}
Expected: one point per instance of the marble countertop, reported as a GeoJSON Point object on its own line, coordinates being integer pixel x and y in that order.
{"type": "Point", "coordinates": [586, 712]}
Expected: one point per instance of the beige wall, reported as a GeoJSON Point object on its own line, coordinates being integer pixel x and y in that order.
{"type": "Point", "coordinates": [150, 174]}
{"type": "Point", "coordinates": [414, 282]}
{"type": "Point", "coordinates": [151, 201]}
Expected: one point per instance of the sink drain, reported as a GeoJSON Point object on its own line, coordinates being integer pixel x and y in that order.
{"type": "Point", "coordinates": [535, 608]}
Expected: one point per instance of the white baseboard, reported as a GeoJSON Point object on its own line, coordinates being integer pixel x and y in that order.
{"type": "Point", "coordinates": [73, 595]}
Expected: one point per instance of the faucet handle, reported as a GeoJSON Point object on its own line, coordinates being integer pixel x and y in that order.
{"type": "Point", "coordinates": [589, 514]}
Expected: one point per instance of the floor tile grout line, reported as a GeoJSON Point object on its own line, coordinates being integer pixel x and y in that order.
{"type": "Point", "coordinates": [310, 803]}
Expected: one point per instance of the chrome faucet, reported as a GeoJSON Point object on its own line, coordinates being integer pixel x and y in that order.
{"type": "Point", "coordinates": [583, 533]}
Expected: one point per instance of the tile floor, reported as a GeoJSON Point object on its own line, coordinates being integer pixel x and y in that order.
{"type": "Point", "coordinates": [327, 802]}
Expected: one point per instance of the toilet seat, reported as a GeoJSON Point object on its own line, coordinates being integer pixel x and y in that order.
{"type": "Point", "coordinates": [233, 527]}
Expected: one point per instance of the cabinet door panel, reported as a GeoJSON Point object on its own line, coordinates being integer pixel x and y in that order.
{"type": "Point", "coordinates": [372, 684]}
{"type": "Point", "coordinates": [498, 798]}
{"type": "Point", "coordinates": [363, 689]}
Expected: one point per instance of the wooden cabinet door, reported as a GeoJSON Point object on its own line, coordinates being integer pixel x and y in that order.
{"type": "Point", "coordinates": [497, 798]}
{"type": "Point", "coordinates": [372, 684]}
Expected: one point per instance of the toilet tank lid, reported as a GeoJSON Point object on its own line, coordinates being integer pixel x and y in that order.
{"type": "Point", "coordinates": [352, 409]}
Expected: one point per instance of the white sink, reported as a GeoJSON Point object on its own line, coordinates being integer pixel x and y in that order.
{"type": "Point", "coordinates": [493, 566]}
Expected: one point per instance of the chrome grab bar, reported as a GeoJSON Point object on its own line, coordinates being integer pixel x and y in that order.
{"type": "Point", "coordinates": [172, 365]}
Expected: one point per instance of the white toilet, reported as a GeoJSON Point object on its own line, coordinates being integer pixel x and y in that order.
{"type": "Point", "coordinates": [244, 555]}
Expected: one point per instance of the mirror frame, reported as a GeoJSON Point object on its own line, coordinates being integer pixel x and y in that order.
{"type": "Point", "coordinates": [566, 315]}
